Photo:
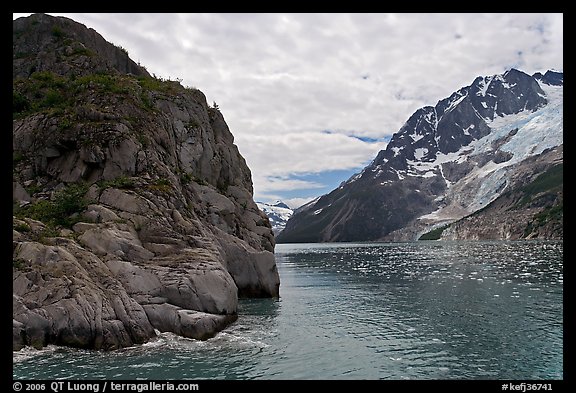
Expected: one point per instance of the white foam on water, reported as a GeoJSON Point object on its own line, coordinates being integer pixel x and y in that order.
{"type": "Point", "coordinates": [27, 353]}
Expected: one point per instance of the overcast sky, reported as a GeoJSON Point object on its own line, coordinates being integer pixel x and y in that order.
{"type": "Point", "coordinates": [312, 98]}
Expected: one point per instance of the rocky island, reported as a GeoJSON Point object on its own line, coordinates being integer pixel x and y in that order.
{"type": "Point", "coordinates": [133, 210]}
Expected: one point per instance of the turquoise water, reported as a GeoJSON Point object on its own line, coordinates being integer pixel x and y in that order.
{"type": "Point", "coordinates": [419, 310]}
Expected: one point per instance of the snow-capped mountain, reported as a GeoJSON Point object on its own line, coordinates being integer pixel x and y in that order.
{"type": "Point", "coordinates": [446, 162]}
{"type": "Point", "coordinates": [278, 213]}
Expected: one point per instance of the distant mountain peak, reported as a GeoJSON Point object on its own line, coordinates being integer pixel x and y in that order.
{"type": "Point", "coordinates": [279, 203]}
{"type": "Point", "coordinates": [278, 214]}
{"type": "Point", "coordinates": [553, 78]}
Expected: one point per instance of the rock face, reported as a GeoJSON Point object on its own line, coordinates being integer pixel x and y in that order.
{"type": "Point", "coordinates": [133, 209]}
{"type": "Point", "coordinates": [446, 162]}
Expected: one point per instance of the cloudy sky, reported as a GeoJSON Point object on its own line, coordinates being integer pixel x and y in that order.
{"type": "Point", "coordinates": [312, 98]}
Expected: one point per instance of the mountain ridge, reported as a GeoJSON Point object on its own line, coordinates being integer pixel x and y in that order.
{"type": "Point", "coordinates": [466, 142]}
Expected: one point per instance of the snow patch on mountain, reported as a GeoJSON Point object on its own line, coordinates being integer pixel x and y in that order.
{"type": "Point", "coordinates": [524, 134]}
{"type": "Point", "coordinates": [278, 213]}
{"type": "Point", "coordinates": [537, 131]}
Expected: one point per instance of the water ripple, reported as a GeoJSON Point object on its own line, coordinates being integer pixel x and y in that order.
{"type": "Point", "coordinates": [422, 310]}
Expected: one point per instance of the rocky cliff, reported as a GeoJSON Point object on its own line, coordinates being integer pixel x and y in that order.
{"type": "Point", "coordinates": [445, 163]}
{"type": "Point", "coordinates": [133, 208]}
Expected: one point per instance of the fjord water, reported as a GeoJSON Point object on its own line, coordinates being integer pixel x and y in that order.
{"type": "Point", "coordinates": [419, 310]}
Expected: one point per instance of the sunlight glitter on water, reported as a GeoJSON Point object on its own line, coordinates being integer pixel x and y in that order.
{"type": "Point", "coordinates": [425, 310]}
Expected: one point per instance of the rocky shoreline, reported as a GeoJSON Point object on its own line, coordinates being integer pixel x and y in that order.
{"type": "Point", "coordinates": [133, 209]}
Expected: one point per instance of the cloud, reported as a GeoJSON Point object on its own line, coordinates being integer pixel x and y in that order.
{"type": "Point", "coordinates": [295, 203]}
{"type": "Point", "coordinates": [273, 189]}
{"type": "Point", "coordinates": [305, 152]}
{"type": "Point", "coordinates": [283, 184]}
{"type": "Point", "coordinates": [282, 79]}
{"type": "Point", "coordinates": [289, 155]}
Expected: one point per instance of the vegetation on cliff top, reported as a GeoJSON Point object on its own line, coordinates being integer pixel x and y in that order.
{"type": "Point", "coordinates": [47, 92]}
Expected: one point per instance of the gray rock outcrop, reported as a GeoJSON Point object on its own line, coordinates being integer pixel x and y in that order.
{"type": "Point", "coordinates": [133, 208]}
